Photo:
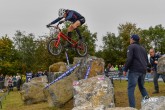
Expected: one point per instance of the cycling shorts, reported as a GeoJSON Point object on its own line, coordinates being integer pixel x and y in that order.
{"type": "Point", "coordinates": [82, 20]}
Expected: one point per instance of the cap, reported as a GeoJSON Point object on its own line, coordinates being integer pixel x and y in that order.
{"type": "Point", "coordinates": [135, 37]}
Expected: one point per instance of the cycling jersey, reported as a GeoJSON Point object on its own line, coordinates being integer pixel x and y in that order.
{"type": "Point", "coordinates": [71, 16]}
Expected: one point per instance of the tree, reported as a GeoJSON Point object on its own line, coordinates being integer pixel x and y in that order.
{"type": "Point", "coordinates": [157, 37]}
{"type": "Point", "coordinates": [25, 46]}
{"type": "Point", "coordinates": [6, 55]}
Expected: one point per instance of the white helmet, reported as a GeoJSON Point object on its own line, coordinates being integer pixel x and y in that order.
{"type": "Point", "coordinates": [61, 12]}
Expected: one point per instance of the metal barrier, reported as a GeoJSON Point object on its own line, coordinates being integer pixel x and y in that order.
{"type": "Point", "coordinates": [63, 75]}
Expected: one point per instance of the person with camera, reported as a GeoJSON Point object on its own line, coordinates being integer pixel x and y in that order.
{"type": "Point", "coordinates": [154, 61]}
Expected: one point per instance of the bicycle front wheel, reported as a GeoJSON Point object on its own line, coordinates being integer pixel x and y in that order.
{"type": "Point", "coordinates": [81, 49]}
{"type": "Point", "coordinates": [52, 49]}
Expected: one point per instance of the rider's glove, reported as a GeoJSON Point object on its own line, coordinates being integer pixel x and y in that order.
{"type": "Point", "coordinates": [60, 22]}
{"type": "Point", "coordinates": [48, 25]}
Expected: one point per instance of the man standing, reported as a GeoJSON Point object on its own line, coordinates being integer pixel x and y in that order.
{"type": "Point", "coordinates": [154, 61]}
{"type": "Point", "coordinates": [136, 63]}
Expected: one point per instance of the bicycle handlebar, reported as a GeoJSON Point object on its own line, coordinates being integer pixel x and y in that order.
{"type": "Point", "coordinates": [57, 26]}
{"type": "Point", "coordinates": [54, 26]}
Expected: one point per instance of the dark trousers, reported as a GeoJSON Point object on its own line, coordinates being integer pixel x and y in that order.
{"type": "Point", "coordinates": [155, 80]}
{"type": "Point", "coordinates": [133, 79]}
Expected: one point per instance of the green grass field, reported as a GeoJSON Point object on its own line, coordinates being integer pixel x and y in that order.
{"type": "Point", "coordinates": [13, 100]}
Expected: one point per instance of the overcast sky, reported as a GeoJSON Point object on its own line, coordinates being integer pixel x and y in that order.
{"type": "Point", "coordinates": [102, 16]}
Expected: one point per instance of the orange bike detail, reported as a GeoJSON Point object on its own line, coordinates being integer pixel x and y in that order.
{"type": "Point", "coordinates": [55, 46]}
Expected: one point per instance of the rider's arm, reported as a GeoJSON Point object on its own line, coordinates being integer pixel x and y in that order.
{"type": "Point", "coordinates": [70, 14]}
{"type": "Point", "coordinates": [55, 21]}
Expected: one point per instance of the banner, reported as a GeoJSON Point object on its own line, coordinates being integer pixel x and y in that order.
{"type": "Point", "coordinates": [28, 77]}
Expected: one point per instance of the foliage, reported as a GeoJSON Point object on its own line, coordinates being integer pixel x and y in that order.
{"type": "Point", "coordinates": [26, 52]}
{"type": "Point", "coordinates": [7, 54]}
{"type": "Point", "coordinates": [114, 47]}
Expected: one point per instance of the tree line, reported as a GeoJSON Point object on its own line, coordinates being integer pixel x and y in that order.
{"type": "Point", "coordinates": [28, 53]}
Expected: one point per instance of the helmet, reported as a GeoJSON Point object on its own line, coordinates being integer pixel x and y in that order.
{"type": "Point", "coordinates": [61, 12]}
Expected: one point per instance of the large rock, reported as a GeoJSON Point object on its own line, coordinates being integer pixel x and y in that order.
{"type": "Point", "coordinates": [96, 64]}
{"type": "Point", "coordinates": [32, 92]}
{"type": "Point", "coordinates": [93, 93]}
{"type": "Point", "coordinates": [86, 107]}
{"type": "Point", "coordinates": [154, 103]}
{"type": "Point", "coordinates": [102, 107]}
{"type": "Point", "coordinates": [58, 67]}
{"type": "Point", "coordinates": [61, 91]}
{"type": "Point", "coordinates": [161, 65]}
{"type": "Point", "coordinates": [121, 108]}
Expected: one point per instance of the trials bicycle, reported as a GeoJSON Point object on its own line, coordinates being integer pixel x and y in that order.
{"type": "Point", "coordinates": [55, 45]}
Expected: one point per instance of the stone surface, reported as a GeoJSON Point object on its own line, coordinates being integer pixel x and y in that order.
{"type": "Point", "coordinates": [58, 67]}
{"type": "Point", "coordinates": [85, 107]}
{"type": "Point", "coordinates": [61, 92]}
{"type": "Point", "coordinates": [102, 107]}
{"type": "Point", "coordinates": [121, 108]}
{"type": "Point", "coordinates": [32, 92]}
{"type": "Point", "coordinates": [154, 103]}
{"type": "Point", "coordinates": [161, 65]}
{"type": "Point", "coordinates": [96, 64]}
{"type": "Point", "coordinates": [93, 92]}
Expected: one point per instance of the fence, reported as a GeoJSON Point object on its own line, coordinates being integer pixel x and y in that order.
{"type": "Point", "coordinates": [116, 75]}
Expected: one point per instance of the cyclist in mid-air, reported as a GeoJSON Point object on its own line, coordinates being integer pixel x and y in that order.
{"type": "Point", "coordinates": [70, 15]}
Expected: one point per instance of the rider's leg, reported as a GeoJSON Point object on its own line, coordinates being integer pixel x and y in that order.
{"type": "Point", "coordinates": [70, 29]}
{"type": "Point", "coordinates": [74, 26]}
{"type": "Point", "coordinates": [69, 34]}
{"type": "Point", "coordinates": [78, 32]}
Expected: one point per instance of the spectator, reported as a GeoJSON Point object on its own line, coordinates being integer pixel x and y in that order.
{"type": "Point", "coordinates": [45, 73]}
{"type": "Point", "coordinates": [120, 70]}
{"type": "Point", "coordinates": [10, 83]}
{"type": "Point", "coordinates": [107, 69]}
{"type": "Point", "coordinates": [14, 81]}
{"type": "Point", "coordinates": [39, 73]}
{"type": "Point", "coordinates": [6, 81]}
{"type": "Point", "coordinates": [107, 74]}
{"type": "Point", "coordinates": [154, 61]}
{"type": "Point", "coordinates": [18, 77]}
{"type": "Point", "coordinates": [116, 68]}
{"type": "Point", "coordinates": [136, 63]}
{"type": "Point", "coordinates": [112, 68]}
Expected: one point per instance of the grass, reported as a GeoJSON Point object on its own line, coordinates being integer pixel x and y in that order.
{"type": "Point", "coordinates": [121, 97]}
{"type": "Point", "coordinates": [13, 100]}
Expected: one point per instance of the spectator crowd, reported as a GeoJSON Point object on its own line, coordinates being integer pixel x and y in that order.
{"type": "Point", "coordinates": [9, 82]}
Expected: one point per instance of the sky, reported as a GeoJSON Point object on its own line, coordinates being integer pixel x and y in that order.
{"type": "Point", "coordinates": [101, 16]}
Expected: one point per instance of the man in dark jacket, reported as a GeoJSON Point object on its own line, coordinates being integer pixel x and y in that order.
{"type": "Point", "coordinates": [136, 63]}
{"type": "Point", "coordinates": [154, 61]}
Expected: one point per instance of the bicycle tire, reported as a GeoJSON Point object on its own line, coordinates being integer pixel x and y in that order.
{"type": "Point", "coordinates": [81, 49]}
{"type": "Point", "coordinates": [52, 49]}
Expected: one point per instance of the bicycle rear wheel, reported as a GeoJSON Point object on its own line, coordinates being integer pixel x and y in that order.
{"type": "Point", "coordinates": [81, 48]}
{"type": "Point", "coordinates": [52, 49]}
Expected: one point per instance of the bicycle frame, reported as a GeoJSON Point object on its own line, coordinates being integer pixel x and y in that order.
{"type": "Point", "coordinates": [64, 37]}
{"type": "Point", "coordinates": [55, 45]}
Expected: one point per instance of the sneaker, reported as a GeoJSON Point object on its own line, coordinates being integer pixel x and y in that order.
{"type": "Point", "coordinates": [146, 97]}
{"type": "Point", "coordinates": [155, 92]}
